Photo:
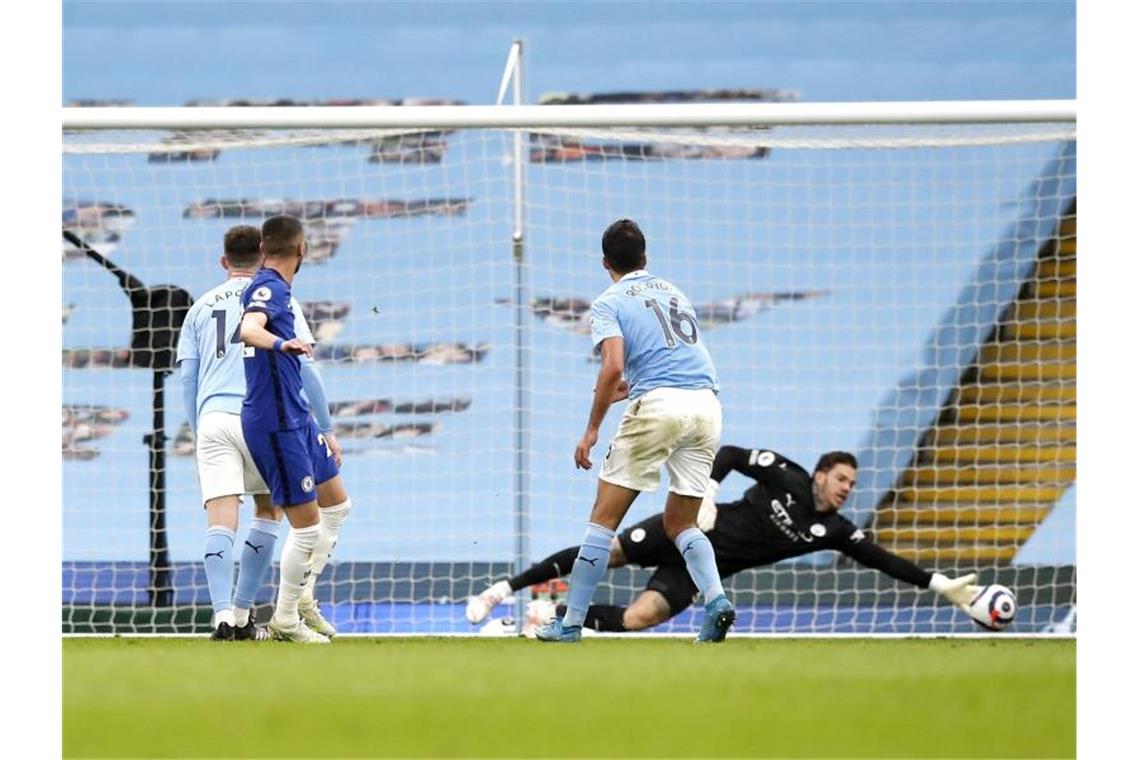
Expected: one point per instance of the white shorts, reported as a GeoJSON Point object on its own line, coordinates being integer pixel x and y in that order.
{"type": "Point", "coordinates": [667, 426]}
{"type": "Point", "coordinates": [225, 467]}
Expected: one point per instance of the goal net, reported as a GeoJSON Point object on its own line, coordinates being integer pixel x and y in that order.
{"type": "Point", "coordinates": [906, 293]}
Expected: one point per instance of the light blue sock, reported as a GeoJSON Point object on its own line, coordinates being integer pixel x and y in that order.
{"type": "Point", "coordinates": [256, 557]}
{"type": "Point", "coordinates": [701, 562]}
{"type": "Point", "coordinates": [589, 567]}
{"type": "Point", "coordinates": [219, 561]}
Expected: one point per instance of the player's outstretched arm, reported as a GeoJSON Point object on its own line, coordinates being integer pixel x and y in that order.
{"type": "Point", "coordinates": [957, 591]}
{"type": "Point", "coordinates": [253, 333]}
{"type": "Point", "coordinates": [869, 554]}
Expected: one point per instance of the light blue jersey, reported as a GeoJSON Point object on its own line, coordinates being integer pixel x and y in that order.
{"type": "Point", "coordinates": [663, 346]}
{"type": "Point", "coordinates": [210, 334]}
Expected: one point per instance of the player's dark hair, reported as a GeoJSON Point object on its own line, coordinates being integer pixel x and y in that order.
{"type": "Point", "coordinates": [623, 246]}
{"type": "Point", "coordinates": [832, 458]}
{"type": "Point", "coordinates": [241, 246]}
{"type": "Point", "coordinates": [280, 234]}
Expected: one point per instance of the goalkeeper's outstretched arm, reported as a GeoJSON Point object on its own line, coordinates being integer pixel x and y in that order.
{"type": "Point", "coordinates": [957, 591]}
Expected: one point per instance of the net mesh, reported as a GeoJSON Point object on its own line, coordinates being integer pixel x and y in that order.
{"type": "Point", "coordinates": [905, 293]}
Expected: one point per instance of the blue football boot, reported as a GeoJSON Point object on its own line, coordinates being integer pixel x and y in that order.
{"type": "Point", "coordinates": [554, 631]}
{"type": "Point", "coordinates": [719, 616]}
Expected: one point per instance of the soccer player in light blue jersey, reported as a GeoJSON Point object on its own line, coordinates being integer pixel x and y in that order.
{"type": "Point", "coordinates": [213, 383]}
{"type": "Point", "coordinates": [647, 329]}
{"type": "Point", "coordinates": [299, 462]}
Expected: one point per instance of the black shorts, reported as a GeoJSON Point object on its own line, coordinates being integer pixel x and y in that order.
{"type": "Point", "coordinates": [646, 545]}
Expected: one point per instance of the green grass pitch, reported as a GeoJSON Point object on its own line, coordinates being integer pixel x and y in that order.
{"type": "Point", "coordinates": [626, 697]}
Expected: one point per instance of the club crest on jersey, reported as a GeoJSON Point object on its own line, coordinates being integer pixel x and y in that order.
{"type": "Point", "coordinates": [307, 484]}
{"type": "Point", "coordinates": [262, 294]}
{"type": "Point", "coordinates": [763, 458]}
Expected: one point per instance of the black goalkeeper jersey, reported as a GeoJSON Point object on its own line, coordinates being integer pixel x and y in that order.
{"type": "Point", "coordinates": [777, 520]}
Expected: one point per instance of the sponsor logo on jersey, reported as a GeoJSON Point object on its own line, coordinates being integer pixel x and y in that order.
{"type": "Point", "coordinates": [782, 520]}
{"type": "Point", "coordinates": [857, 535]}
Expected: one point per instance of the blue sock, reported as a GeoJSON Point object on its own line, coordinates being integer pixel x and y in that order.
{"type": "Point", "coordinates": [256, 557]}
{"type": "Point", "coordinates": [701, 562]}
{"type": "Point", "coordinates": [219, 563]}
{"type": "Point", "coordinates": [589, 567]}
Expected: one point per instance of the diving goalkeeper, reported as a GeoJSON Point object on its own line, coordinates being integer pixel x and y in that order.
{"type": "Point", "coordinates": [786, 513]}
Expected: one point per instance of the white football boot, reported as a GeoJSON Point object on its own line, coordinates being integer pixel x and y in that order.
{"type": "Point", "coordinates": [479, 607]}
{"type": "Point", "coordinates": [298, 632]}
{"type": "Point", "coordinates": [310, 613]}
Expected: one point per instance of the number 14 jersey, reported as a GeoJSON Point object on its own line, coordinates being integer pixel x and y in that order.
{"type": "Point", "coordinates": [210, 334]}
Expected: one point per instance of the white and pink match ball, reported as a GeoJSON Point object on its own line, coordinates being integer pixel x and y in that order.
{"type": "Point", "coordinates": [993, 608]}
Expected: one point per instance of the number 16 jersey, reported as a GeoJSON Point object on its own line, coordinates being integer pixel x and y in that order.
{"type": "Point", "coordinates": [663, 344]}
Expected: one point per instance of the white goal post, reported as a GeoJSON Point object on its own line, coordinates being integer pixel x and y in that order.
{"type": "Point", "coordinates": [893, 279]}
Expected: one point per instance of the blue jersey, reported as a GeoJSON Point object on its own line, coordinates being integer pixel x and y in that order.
{"type": "Point", "coordinates": [273, 400]}
{"type": "Point", "coordinates": [210, 334]}
{"type": "Point", "coordinates": [663, 346]}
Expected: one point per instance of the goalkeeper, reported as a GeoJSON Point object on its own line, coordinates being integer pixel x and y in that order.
{"type": "Point", "coordinates": [786, 513]}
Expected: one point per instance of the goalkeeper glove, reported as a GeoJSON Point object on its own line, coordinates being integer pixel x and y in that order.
{"type": "Point", "coordinates": [706, 515]}
{"type": "Point", "coordinates": [957, 591]}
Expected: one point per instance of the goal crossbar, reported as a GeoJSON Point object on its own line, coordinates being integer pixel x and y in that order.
{"type": "Point", "coordinates": [531, 116]}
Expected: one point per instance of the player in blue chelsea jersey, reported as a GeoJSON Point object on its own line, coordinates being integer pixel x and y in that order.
{"type": "Point", "coordinates": [300, 464]}
{"type": "Point", "coordinates": [213, 386]}
{"type": "Point", "coordinates": [648, 330]}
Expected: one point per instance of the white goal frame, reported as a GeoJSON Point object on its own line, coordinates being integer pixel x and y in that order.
{"type": "Point", "coordinates": [522, 118]}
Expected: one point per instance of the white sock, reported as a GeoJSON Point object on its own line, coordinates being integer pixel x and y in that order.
{"type": "Point", "coordinates": [223, 616]}
{"type": "Point", "coordinates": [296, 572]}
{"type": "Point", "coordinates": [331, 520]}
{"type": "Point", "coordinates": [241, 616]}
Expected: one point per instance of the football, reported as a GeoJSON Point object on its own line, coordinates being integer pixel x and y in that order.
{"type": "Point", "coordinates": [993, 608]}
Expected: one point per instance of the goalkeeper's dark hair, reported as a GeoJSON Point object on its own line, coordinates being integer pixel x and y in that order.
{"type": "Point", "coordinates": [279, 234]}
{"type": "Point", "coordinates": [832, 458]}
{"type": "Point", "coordinates": [241, 246]}
{"type": "Point", "coordinates": [623, 246]}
